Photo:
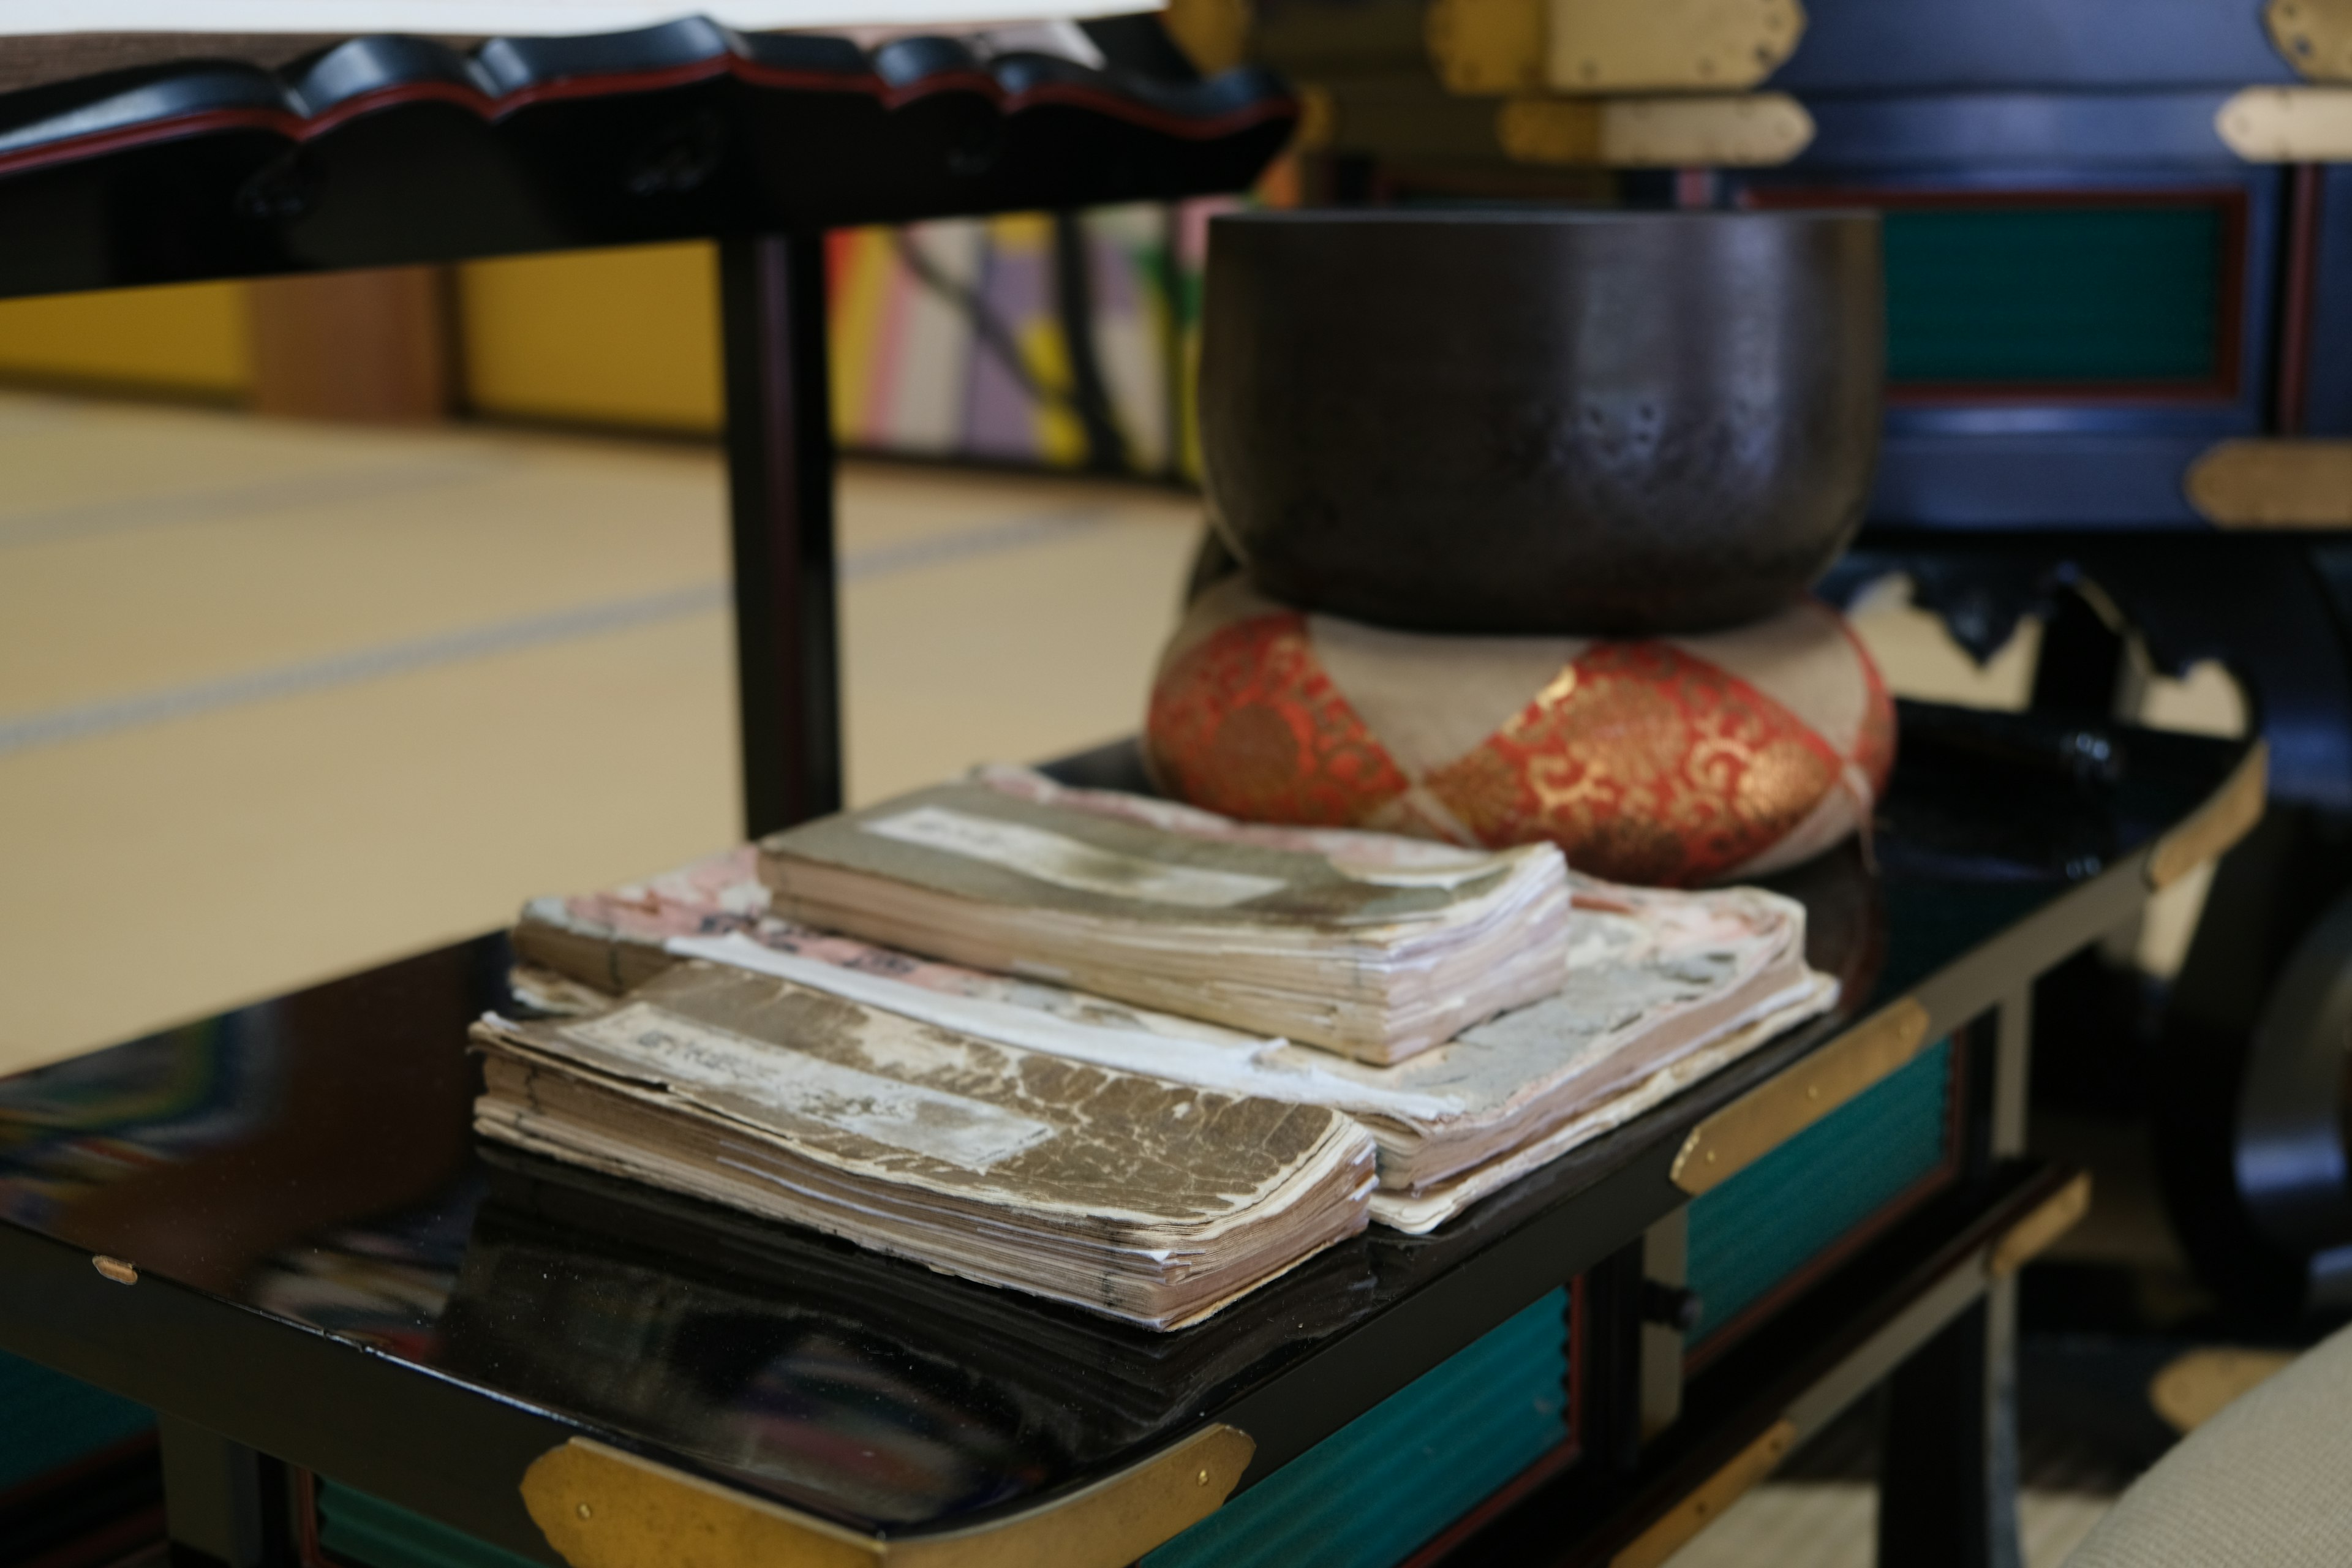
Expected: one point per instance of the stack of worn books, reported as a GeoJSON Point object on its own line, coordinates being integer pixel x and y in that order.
{"type": "Point", "coordinates": [1132, 1195]}
{"type": "Point", "coordinates": [1139, 990]}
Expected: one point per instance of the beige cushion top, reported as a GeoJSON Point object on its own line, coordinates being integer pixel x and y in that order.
{"type": "Point", "coordinates": [2266, 1483]}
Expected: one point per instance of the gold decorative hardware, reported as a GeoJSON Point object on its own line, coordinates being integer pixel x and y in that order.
{"type": "Point", "coordinates": [1485, 48]}
{"type": "Point", "coordinates": [2052, 1218]}
{"type": "Point", "coordinates": [1776, 1110]}
{"type": "Point", "coordinates": [2272, 482]}
{"type": "Point", "coordinates": [1707, 1503]}
{"type": "Point", "coordinates": [1213, 34]}
{"type": "Point", "coordinates": [2228, 816]}
{"type": "Point", "coordinates": [602, 1508]}
{"type": "Point", "coordinates": [1319, 118]}
{"type": "Point", "coordinates": [1488, 48]}
{"type": "Point", "coordinates": [2288, 124]}
{"type": "Point", "coordinates": [2314, 37]}
{"type": "Point", "coordinates": [1649, 46]}
{"type": "Point", "coordinates": [1730, 130]}
{"type": "Point", "coordinates": [114, 1268]}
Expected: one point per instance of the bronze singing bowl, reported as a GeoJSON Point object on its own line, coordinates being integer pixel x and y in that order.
{"type": "Point", "coordinates": [1520, 421]}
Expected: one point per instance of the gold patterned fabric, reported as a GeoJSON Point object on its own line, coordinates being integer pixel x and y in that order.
{"type": "Point", "coordinates": [1669, 761]}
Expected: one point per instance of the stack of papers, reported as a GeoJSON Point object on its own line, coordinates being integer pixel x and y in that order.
{"type": "Point", "coordinates": [1374, 946]}
{"type": "Point", "coordinates": [1135, 1196]}
{"type": "Point", "coordinates": [1655, 991]}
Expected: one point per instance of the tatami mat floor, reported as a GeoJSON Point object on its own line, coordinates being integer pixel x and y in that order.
{"type": "Point", "coordinates": [279, 700]}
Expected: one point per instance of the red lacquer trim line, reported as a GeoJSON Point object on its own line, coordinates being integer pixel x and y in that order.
{"type": "Point", "coordinates": [298, 129]}
{"type": "Point", "coordinates": [1861, 1235]}
{"type": "Point", "coordinates": [280, 121]}
{"type": "Point", "coordinates": [1496, 1503]}
{"type": "Point", "coordinates": [2295, 298]}
{"type": "Point", "coordinates": [308, 1552]}
{"type": "Point", "coordinates": [2229, 303]}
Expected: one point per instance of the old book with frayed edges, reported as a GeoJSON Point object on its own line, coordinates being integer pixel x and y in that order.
{"type": "Point", "coordinates": [1374, 946]}
{"type": "Point", "coordinates": [1152, 1201]}
{"type": "Point", "coordinates": [1658, 990]}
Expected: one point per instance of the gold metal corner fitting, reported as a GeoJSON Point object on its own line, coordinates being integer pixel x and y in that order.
{"type": "Point", "coordinates": [2273, 482]}
{"type": "Point", "coordinates": [1492, 47]}
{"type": "Point", "coordinates": [1776, 1110]}
{"type": "Point", "coordinates": [1215, 34]}
{"type": "Point", "coordinates": [2052, 1218]}
{"type": "Point", "coordinates": [602, 1508]}
{"type": "Point", "coordinates": [2227, 816]}
{"type": "Point", "coordinates": [1753, 130]}
{"type": "Point", "coordinates": [2314, 37]}
{"type": "Point", "coordinates": [1707, 1503]}
{"type": "Point", "coordinates": [2287, 124]}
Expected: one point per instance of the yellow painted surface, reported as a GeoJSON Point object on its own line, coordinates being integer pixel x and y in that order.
{"type": "Point", "coordinates": [186, 337]}
{"type": "Point", "coordinates": [626, 337]}
{"type": "Point", "coordinates": [860, 295]}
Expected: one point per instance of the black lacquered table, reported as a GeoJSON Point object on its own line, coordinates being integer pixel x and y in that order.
{"type": "Point", "coordinates": [275, 1228]}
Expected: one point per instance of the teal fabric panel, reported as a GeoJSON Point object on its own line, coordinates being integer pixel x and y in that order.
{"type": "Point", "coordinates": [1770, 1220]}
{"type": "Point", "coordinates": [1371, 1493]}
{"type": "Point", "coordinates": [1997, 295]}
{"type": "Point", "coordinates": [48, 1420]}
{"type": "Point", "coordinates": [357, 1529]}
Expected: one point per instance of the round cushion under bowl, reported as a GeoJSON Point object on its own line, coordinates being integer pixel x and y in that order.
{"type": "Point", "coordinates": [1671, 760]}
{"type": "Point", "coordinates": [1608, 423]}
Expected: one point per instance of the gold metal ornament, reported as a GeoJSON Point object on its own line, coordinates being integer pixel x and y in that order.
{"type": "Point", "coordinates": [1776, 1110]}
{"type": "Point", "coordinates": [1709, 1501]}
{"type": "Point", "coordinates": [1492, 47]}
{"type": "Point", "coordinates": [2287, 124]}
{"type": "Point", "coordinates": [2052, 1218]}
{"type": "Point", "coordinates": [2314, 37]}
{"type": "Point", "coordinates": [1756, 129]}
{"type": "Point", "coordinates": [2272, 482]}
{"type": "Point", "coordinates": [602, 1508]}
{"type": "Point", "coordinates": [2227, 816]}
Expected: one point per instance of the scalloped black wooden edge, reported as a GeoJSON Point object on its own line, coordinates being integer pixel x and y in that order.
{"type": "Point", "coordinates": [506, 76]}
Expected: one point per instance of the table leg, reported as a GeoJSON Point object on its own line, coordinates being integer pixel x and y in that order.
{"type": "Point", "coordinates": [223, 1504]}
{"type": "Point", "coordinates": [1947, 1461]}
{"type": "Point", "coordinates": [1947, 1467]}
{"type": "Point", "coordinates": [780, 489]}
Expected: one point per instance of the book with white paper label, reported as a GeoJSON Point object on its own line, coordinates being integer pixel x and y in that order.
{"type": "Point", "coordinates": [1367, 944]}
{"type": "Point", "coordinates": [1152, 1201]}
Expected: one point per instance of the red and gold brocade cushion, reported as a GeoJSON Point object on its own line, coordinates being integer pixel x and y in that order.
{"type": "Point", "coordinates": [1671, 760]}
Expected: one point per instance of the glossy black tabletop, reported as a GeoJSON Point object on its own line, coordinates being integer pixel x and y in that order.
{"type": "Point", "coordinates": [333, 1269]}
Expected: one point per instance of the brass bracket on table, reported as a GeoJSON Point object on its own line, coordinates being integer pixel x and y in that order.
{"type": "Point", "coordinates": [1774, 1112]}
{"type": "Point", "coordinates": [1486, 48]}
{"type": "Point", "coordinates": [602, 1508]}
{"type": "Point", "coordinates": [2048, 1220]}
{"type": "Point", "coordinates": [2228, 816]}
{"type": "Point", "coordinates": [1704, 1504]}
